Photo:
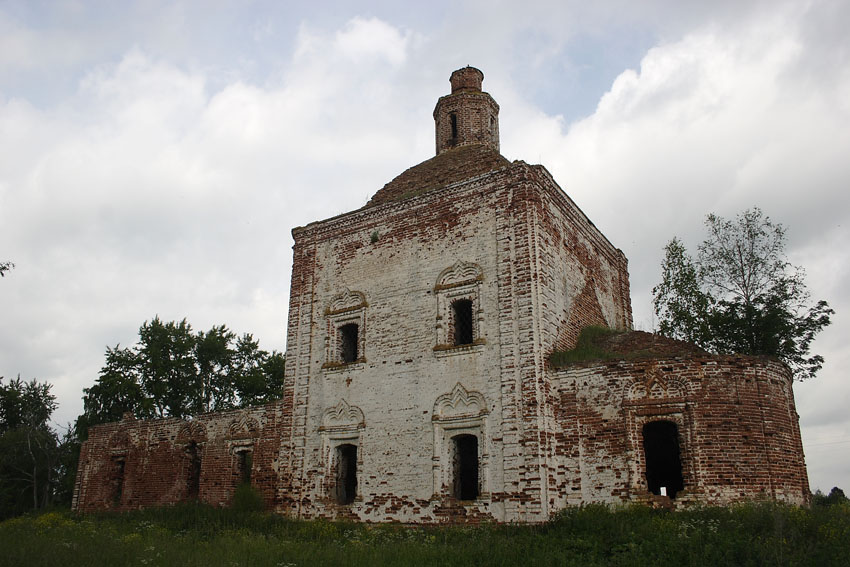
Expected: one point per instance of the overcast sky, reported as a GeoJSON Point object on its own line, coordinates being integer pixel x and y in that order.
{"type": "Point", "coordinates": [154, 156]}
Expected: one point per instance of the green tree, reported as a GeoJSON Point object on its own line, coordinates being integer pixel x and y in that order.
{"type": "Point", "coordinates": [117, 390]}
{"type": "Point", "coordinates": [258, 375]}
{"type": "Point", "coordinates": [28, 447]}
{"type": "Point", "coordinates": [166, 365]}
{"type": "Point", "coordinates": [67, 459]}
{"type": "Point", "coordinates": [214, 356]}
{"type": "Point", "coordinates": [741, 294]}
{"type": "Point", "coordinates": [835, 497]}
{"type": "Point", "coordinates": [174, 372]}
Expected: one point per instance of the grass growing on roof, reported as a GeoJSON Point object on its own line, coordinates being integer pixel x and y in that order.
{"type": "Point", "coordinates": [587, 347]}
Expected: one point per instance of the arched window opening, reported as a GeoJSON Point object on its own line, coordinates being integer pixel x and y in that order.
{"type": "Point", "coordinates": [346, 473]}
{"type": "Point", "coordinates": [663, 462]}
{"type": "Point", "coordinates": [193, 476]}
{"type": "Point", "coordinates": [348, 336]}
{"type": "Point", "coordinates": [117, 479]}
{"type": "Point", "coordinates": [465, 465]}
{"type": "Point", "coordinates": [245, 463]}
{"type": "Point", "coordinates": [453, 119]}
{"type": "Point", "coordinates": [462, 315]}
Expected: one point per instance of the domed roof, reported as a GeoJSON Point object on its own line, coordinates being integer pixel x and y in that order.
{"type": "Point", "coordinates": [451, 166]}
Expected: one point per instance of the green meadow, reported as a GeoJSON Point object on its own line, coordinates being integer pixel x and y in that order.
{"type": "Point", "coordinates": [189, 535]}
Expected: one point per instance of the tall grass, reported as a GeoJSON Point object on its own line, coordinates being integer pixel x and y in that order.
{"type": "Point", "coordinates": [188, 535]}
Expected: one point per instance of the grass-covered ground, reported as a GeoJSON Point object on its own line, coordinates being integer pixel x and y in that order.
{"type": "Point", "coordinates": [757, 534]}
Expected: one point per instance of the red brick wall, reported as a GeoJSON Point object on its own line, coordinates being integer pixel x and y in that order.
{"type": "Point", "coordinates": [476, 120]}
{"type": "Point", "coordinates": [157, 467]}
{"type": "Point", "coordinates": [738, 428]}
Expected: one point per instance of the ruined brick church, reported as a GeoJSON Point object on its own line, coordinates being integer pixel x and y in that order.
{"type": "Point", "coordinates": [418, 382]}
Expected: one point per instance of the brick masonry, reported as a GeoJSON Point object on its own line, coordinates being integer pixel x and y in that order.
{"type": "Point", "coordinates": [466, 225]}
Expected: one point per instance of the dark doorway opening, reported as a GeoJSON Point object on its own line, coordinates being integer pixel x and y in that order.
{"type": "Point", "coordinates": [465, 457]}
{"type": "Point", "coordinates": [193, 473]}
{"type": "Point", "coordinates": [346, 473]}
{"type": "Point", "coordinates": [462, 312]}
{"type": "Point", "coordinates": [663, 461]}
{"type": "Point", "coordinates": [245, 463]}
{"type": "Point", "coordinates": [348, 342]}
{"type": "Point", "coordinates": [117, 480]}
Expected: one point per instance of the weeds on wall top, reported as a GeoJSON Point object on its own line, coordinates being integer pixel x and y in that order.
{"type": "Point", "coordinates": [587, 348]}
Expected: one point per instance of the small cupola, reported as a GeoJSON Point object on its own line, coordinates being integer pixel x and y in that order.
{"type": "Point", "coordinates": [467, 115]}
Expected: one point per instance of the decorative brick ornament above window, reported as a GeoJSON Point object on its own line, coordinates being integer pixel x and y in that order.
{"type": "Point", "coordinates": [243, 428]}
{"type": "Point", "coordinates": [346, 323]}
{"type": "Point", "coordinates": [340, 431]}
{"type": "Point", "coordinates": [458, 324]}
{"type": "Point", "coordinates": [192, 431]}
{"type": "Point", "coordinates": [660, 433]}
{"type": "Point", "coordinates": [460, 465]}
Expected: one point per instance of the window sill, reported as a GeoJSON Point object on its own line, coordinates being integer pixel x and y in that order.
{"type": "Point", "coordinates": [482, 499]}
{"type": "Point", "coordinates": [341, 366]}
{"type": "Point", "coordinates": [441, 351]}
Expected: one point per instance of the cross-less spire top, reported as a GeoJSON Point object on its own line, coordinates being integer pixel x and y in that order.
{"type": "Point", "coordinates": [468, 115]}
{"type": "Point", "coordinates": [466, 78]}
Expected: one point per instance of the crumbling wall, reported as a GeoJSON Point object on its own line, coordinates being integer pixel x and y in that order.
{"type": "Point", "coordinates": [584, 279]}
{"type": "Point", "coordinates": [738, 429]}
{"type": "Point", "coordinates": [401, 264]}
{"type": "Point", "coordinates": [143, 463]}
{"type": "Point", "coordinates": [382, 268]}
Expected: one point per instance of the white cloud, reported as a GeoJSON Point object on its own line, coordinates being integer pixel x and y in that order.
{"type": "Point", "coordinates": [372, 38]}
{"type": "Point", "coordinates": [149, 193]}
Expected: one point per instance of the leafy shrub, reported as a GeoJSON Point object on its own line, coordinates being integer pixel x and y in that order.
{"type": "Point", "coordinates": [247, 499]}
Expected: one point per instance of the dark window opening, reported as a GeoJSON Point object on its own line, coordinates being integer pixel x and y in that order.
{"type": "Point", "coordinates": [193, 477]}
{"type": "Point", "coordinates": [462, 311]}
{"type": "Point", "coordinates": [346, 473]}
{"type": "Point", "coordinates": [348, 342]}
{"type": "Point", "coordinates": [663, 462]}
{"type": "Point", "coordinates": [245, 463]}
{"type": "Point", "coordinates": [465, 464]}
{"type": "Point", "coordinates": [453, 118]}
{"type": "Point", "coordinates": [117, 480]}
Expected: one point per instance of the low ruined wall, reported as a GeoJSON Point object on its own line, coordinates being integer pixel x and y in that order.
{"type": "Point", "coordinates": [136, 464]}
{"type": "Point", "coordinates": [738, 429]}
